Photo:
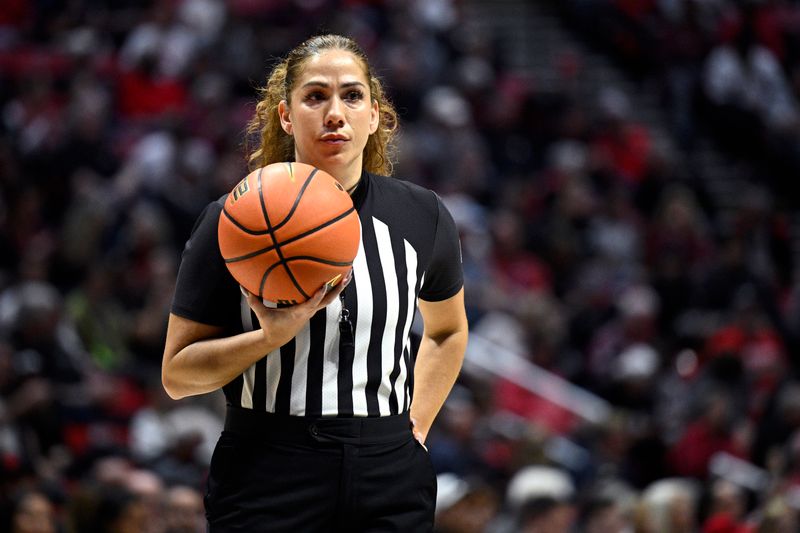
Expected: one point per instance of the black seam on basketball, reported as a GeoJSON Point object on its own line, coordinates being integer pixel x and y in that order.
{"type": "Point", "coordinates": [269, 229]}
{"type": "Point", "coordinates": [250, 255]}
{"type": "Point", "coordinates": [290, 240]}
{"type": "Point", "coordinates": [288, 271]}
{"type": "Point", "coordinates": [264, 206]}
{"type": "Point", "coordinates": [277, 246]}
{"type": "Point", "coordinates": [297, 258]}
{"type": "Point", "coordinates": [267, 272]}
{"type": "Point", "coordinates": [243, 228]}
{"type": "Point", "coordinates": [318, 260]}
{"type": "Point", "coordinates": [296, 201]}
{"type": "Point", "coordinates": [264, 278]}
{"type": "Point", "coordinates": [294, 280]}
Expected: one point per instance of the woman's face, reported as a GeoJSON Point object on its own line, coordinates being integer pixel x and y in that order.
{"type": "Point", "coordinates": [331, 114]}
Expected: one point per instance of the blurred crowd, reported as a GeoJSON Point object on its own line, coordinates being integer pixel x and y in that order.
{"type": "Point", "coordinates": [732, 64]}
{"type": "Point", "coordinates": [589, 250]}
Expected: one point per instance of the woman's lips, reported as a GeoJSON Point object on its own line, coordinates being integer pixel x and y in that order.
{"type": "Point", "coordinates": [334, 139]}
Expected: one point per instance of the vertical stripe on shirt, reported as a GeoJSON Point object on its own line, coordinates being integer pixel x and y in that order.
{"type": "Point", "coordinates": [363, 331]}
{"type": "Point", "coordinates": [272, 377]}
{"type": "Point", "coordinates": [260, 386]}
{"type": "Point", "coordinates": [389, 334]}
{"type": "Point", "coordinates": [411, 306]}
{"type": "Point", "coordinates": [283, 394]}
{"type": "Point", "coordinates": [315, 360]}
{"type": "Point", "coordinates": [248, 377]}
{"type": "Point", "coordinates": [297, 389]}
{"type": "Point", "coordinates": [330, 364]}
{"type": "Point", "coordinates": [407, 379]}
{"type": "Point", "coordinates": [412, 348]}
{"type": "Point", "coordinates": [377, 320]}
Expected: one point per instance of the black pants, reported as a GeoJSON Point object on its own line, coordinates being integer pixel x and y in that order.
{"type": "Point", "coordinates": [272, 473]}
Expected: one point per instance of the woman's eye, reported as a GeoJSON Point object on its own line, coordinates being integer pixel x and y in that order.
{"type": "Point", "coordinates": [315, 96]}
{"type": "Point", "coordinates": [354, 95]}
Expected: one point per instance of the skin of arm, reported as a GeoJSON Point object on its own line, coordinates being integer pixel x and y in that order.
{"type": "Point", "coordinates": [441, 352]}
{"type": "Point", "coordinates": [198, 360]}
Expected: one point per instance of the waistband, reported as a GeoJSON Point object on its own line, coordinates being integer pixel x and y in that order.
{"type": "Point", "coordinates": [300, 429]}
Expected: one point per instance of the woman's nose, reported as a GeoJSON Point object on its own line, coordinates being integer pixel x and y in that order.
{"type": "Point", "coordinates": [335, 116]}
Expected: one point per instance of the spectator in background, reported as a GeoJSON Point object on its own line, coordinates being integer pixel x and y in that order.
{"type": "Point", "coordinates": [184, 512]}
{"type": "Point", "coordinates": [779, 516]}
{"type": "Point", "coordinates": [766, 234]}
{"type": "Point", "coordinates": [515, 269]}
{"type": "Point", "coordinates": [616, 232]}
{"type": "Point", "coordinates": [679, 234]}
{"type": "Point", "coordinates": [670, 505]}
{"type": "Point", "coordinates": [636, 323]}
{"type": "Point", "coordinates": [120, 511]}
{"type": "Point", "coordinates": [541, 500]}
{"type": "Point", "coordinates": [779, 423]}
{"type": "Point", "coordinates": [176, 440]}
{"type": "Point", "coordinates": [620, 146]}
{"type": "Point", "coordinates": [32, 512]}
{"type": "Point", "coordinates": [746, 78]}
{"type": "Point", "coordinates": [633, 377]}
{"type": "Point", "coordinates": [719, 428]}
{"type": "Point", "coordinates": [603, 516]}
{"type": "Point", "coordinates": [751, 104]}
{"type": "Point", "coordinates": [545, 515]}
{"type": "Point", "coordinates": [154, 57]}
{"type": "Point", "coordinates": [149, 493]}
{"type": "Point", "coordinates": [118, 497]}
{"type": "Point", "coordinates": [727, 508]}
{"type": "Point", "coordinates": [683, 45]}
{"type": "Point", "coordinates": [51, 374]}
{"type": "Point", "coordinates": [463, 506]}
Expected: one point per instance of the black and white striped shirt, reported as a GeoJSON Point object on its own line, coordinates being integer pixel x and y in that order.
{"type": "Point", "coordinates": [409, 249]}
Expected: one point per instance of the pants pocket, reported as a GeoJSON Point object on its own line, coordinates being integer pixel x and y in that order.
{"type": "Point", "coordinates": [426, 470]}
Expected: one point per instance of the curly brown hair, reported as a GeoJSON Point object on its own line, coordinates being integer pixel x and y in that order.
{"type": "Point", "coordinates": [275, 145]}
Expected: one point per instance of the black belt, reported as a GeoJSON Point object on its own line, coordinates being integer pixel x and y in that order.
{"type": "Point", "coordinates": [301, 429]}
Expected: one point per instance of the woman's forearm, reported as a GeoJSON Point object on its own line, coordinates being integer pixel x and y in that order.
{"type": "Point", "coordinates": [436, 369]}
{"type": "Point", "coordinates": [206, 365]}
{"type": "Point", "coordinates": [199, 359]}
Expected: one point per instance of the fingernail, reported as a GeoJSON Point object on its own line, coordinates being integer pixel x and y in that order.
{"type": "Point", "coordinates": [332, 283]}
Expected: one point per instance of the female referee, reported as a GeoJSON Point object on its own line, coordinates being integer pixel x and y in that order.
{"type": "Point", "coordinates": [321, 396]}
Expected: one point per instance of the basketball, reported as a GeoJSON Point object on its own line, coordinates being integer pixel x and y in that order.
{"type": "Point", "coordinates": [286, 230]}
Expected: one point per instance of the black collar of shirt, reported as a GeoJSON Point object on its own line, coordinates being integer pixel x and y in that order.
{"type": "Point", "coordinates": [361, 190]}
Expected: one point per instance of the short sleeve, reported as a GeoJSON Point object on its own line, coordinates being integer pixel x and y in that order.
{"type": "Point", "coordinates": [205, 291]}
{"type": "Point", "coordinates": [444, 276]}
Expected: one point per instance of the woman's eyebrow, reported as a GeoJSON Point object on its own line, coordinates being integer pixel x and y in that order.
{"type": "Point", "coordinates": [326, 85]}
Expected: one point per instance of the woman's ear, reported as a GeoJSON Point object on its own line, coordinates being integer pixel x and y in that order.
{"type": "Point", "coordinates": [283, 114]}
{"type": "Point", "coordinates": [374, 117]}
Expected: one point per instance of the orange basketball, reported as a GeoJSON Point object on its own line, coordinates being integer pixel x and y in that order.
{"type": "Point", "coordinates": [286, 230]}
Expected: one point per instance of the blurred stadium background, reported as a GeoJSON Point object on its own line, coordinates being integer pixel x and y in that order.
{"type": "Point", "coordinates": [624, 174]}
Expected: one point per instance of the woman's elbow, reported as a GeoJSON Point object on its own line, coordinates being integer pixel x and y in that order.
{"type": "Point", "coordinates": [170, 388]}
{"type": "Point", "coordinates": [170, 384]}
